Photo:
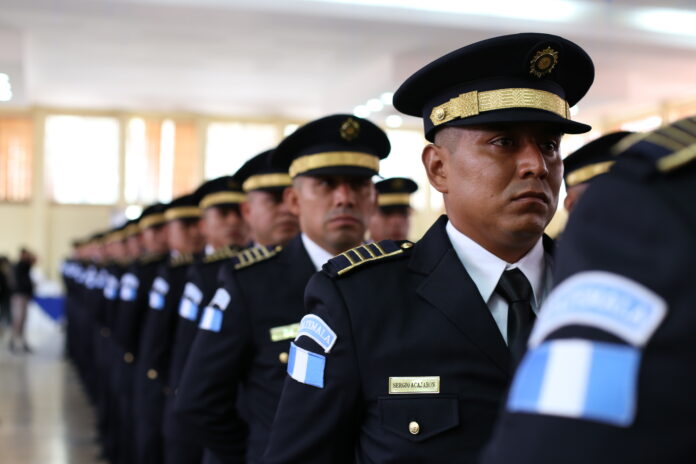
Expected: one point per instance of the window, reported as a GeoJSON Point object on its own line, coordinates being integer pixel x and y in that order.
{"type": "Point", "coordinates": [230, 145]}
{"type": "Point", "coordinates": [162, 160]}
{"type": "Point", "coordinates": [82, 159]}
{"type": "Point", "coordinates": [16, 154]}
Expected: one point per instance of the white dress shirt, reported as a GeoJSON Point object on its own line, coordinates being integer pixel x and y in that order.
{"type": "Point", "coordinates": [317, 254]}
{"type": "Point", "coordinates": [209, 249]}
{"type": "Point", "coordinates": [485, 269]}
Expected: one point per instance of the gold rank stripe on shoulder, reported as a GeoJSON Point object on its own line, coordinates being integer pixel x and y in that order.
{"type": "Point", "coordinates": [181, 260]}
{"type": "Point", "coordinates": [223, 253]}
{"type": "Point", "coordinates": [678, 138]}
{"type": "Point", "coordinates": [368, 252]}
{"type": "Point", "coordinates": [254, 255]}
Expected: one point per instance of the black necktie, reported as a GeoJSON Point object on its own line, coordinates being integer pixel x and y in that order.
{"type": "Point", "coordinates": [515, 288]}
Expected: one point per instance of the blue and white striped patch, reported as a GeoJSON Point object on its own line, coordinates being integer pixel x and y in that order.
{"type": "Point", "coordinates": [607, 301]}
{"type": "Point", "coordinates": [111, 288]}
{"type": "Point", "coordinates": [160, 288]}
{"type": "Point", "coordinates": [578, 379]}
{"type": "Point", "coordinates": [314, 327]}
{"type": "Point", "coordinates": [129, 287]}
{"type": "Point", "coordinates": [188, 307]}
{"type": "Point", "coordinates": [306, 367]}
{"type": "Point", "coordinates": [212, 315]}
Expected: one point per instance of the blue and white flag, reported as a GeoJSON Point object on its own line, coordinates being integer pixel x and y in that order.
{"type": "Point", "coordinates": [188, 307]}
{"type": "Point", "coordinates": [579, 379]}
{"type": "Point", "coordinates": [129, 287]}
{"type": "Point", "coordinates": [212, 315]}
{"type": "Point", "coordinates": [111, 288]}
{"type": "Point", "coordinates": [160, 288]}
{"type": "Point", "coordinates": [306, 367]}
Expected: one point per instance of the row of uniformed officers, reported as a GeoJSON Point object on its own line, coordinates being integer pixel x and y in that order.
{"type": "Point", "coordinates": [310, 345]}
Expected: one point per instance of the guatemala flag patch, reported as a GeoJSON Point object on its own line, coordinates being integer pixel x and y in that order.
{"type": "Point", "coordinates": [578, 379]}
{"type": "Point", "coordinates": [212, 315]}
{"type": "Point", "coordinates": [188, 307]}
{"type": "Point", "coordinates": [306, 367]}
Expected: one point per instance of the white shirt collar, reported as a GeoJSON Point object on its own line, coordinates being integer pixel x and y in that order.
{"type": "Point", "coordinates": [209, 249]}
{"type": "Point", "coordinates": [317, 254]}
{"type": "Point", "coordinates": [485, 268]}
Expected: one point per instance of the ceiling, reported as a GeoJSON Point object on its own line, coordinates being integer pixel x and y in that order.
{"type": "Point", "coordinates": [304, 58]}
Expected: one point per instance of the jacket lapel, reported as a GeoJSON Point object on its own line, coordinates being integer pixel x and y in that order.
{"type": "Point", "coordinates": [448, 288]}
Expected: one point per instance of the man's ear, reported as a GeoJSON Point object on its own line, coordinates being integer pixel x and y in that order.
{"type": "Point", "coordinates": [436, 162]}
{"type": "Point", "coordinates": [292, 199]}
{"type": "Point", "coordinates": [244, 210]}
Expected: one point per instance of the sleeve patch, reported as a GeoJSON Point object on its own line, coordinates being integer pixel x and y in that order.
{"type": "Point", "coordinates": [129, 287]}
{"type": "Point", "coordinates": [604, 300]}
{"type": "Point", "coordinates": [212, 315]}
{"type": "Point", "coordinates": [314, 327]}
{"type": "Point", "coordinates": [188, 307]}
{"type": "Point", "coordinates": [111, 288]}
{"type": "Point", "coordinates": [306, 367]}
{"type": "Point", "coordinates": [578, 379]}
{"type": "Point", "coordinates": [211, 320]}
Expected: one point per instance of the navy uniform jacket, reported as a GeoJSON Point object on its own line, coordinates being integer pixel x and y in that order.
{"type": "Point", "coordinates": [201, 283]}
{"type": "Point", "coordinates": [259, 305]}
{"type": "Point", "coordinates": [134, 291]}
{"type": "Point", "coordinates": [414, 366]}
{"type": "Point", "coordinates": [623, 324]}
{"type": "Point", "coordinates": [160, 321]}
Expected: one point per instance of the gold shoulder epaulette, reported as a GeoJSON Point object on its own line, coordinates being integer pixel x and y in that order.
{"type": "Point", "coordinates": [151, 258]}
{"type": "Point", "coordinates": [256, 254]}
{"type": "Point", "coordinates": [369, 252]}
{"type": "Point", "coordinates": [223, 253]}
{"type": "Point", "coordinates": [181, 260]}
{"type": "Point", "coordinates": [678, 140]}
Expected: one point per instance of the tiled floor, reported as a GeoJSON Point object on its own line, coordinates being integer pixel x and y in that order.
{"type": "Point", "coordinates": [44, 414]}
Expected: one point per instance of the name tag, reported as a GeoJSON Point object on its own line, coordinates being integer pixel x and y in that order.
{"type": "Point", "coordinates": [410, 385]}
{"type": "Point", "coordinates": [285, 332]}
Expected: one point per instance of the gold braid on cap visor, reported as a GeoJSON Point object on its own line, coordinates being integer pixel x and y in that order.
{"type": "Point", "coordinates": [182, 212]}
{"type": "Point", "coordinates": [151, 220]}
{"type": "Point", "coordinates": [221, 198]}
{"type": "Point", "coordinates": [475, 102]}
{"type": "Point", "coordinates": [391, 199]}
{"type": "Point", "coordinates": [333, 158]}
{"type": "Point", "coordinates": [262, 181]}
{"type": "Point", "coordinates": [586, 173]}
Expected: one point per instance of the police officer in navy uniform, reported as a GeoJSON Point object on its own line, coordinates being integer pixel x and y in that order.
{"type": "Point", "coordinates": [392, 220]}
{"type": "Point", "coordinates": [224, 230]}
{"type": "Point", "coordinates": [609, 374]}
{"type": "Point", "coordinates": [404, 355]}
{"type": "Point", "coordinates": [586, 164]}
{"type": "Point", "coordinates": [256, 189]}
{"type": "Point", "coordinates": [244, 349]}
{"type": "Point", "coordinates": [184, 238]}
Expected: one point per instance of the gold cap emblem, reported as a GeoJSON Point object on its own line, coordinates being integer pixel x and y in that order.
{"type": "Point", "coordinates": [543, 62]}
{"type": "Point", "coordinates": [350, 129]}
{"type": "Point", "coordinates": [440, 114]}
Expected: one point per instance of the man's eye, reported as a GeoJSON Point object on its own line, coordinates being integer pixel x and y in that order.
{"type": "Point", "coordinates": [503, 142]}
{"type": "Point", "coordinates": [549, 146]}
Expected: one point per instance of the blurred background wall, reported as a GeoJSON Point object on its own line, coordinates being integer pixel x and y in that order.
{"type": "Point", "coordinates": [108, 105]}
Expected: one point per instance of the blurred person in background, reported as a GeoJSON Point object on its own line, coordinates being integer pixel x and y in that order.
{"type": "Point", "coordinates": [586, 164]}
{"type": "Point", "coordinates": [22, 293]}
{"type": "Point", "coordinates": [392, 220]}
{"type": "Point", "coordinates": [5, 291]}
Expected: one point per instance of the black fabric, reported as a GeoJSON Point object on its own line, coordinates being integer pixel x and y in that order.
{"type": "Point", "coordinates": [23, 285]}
